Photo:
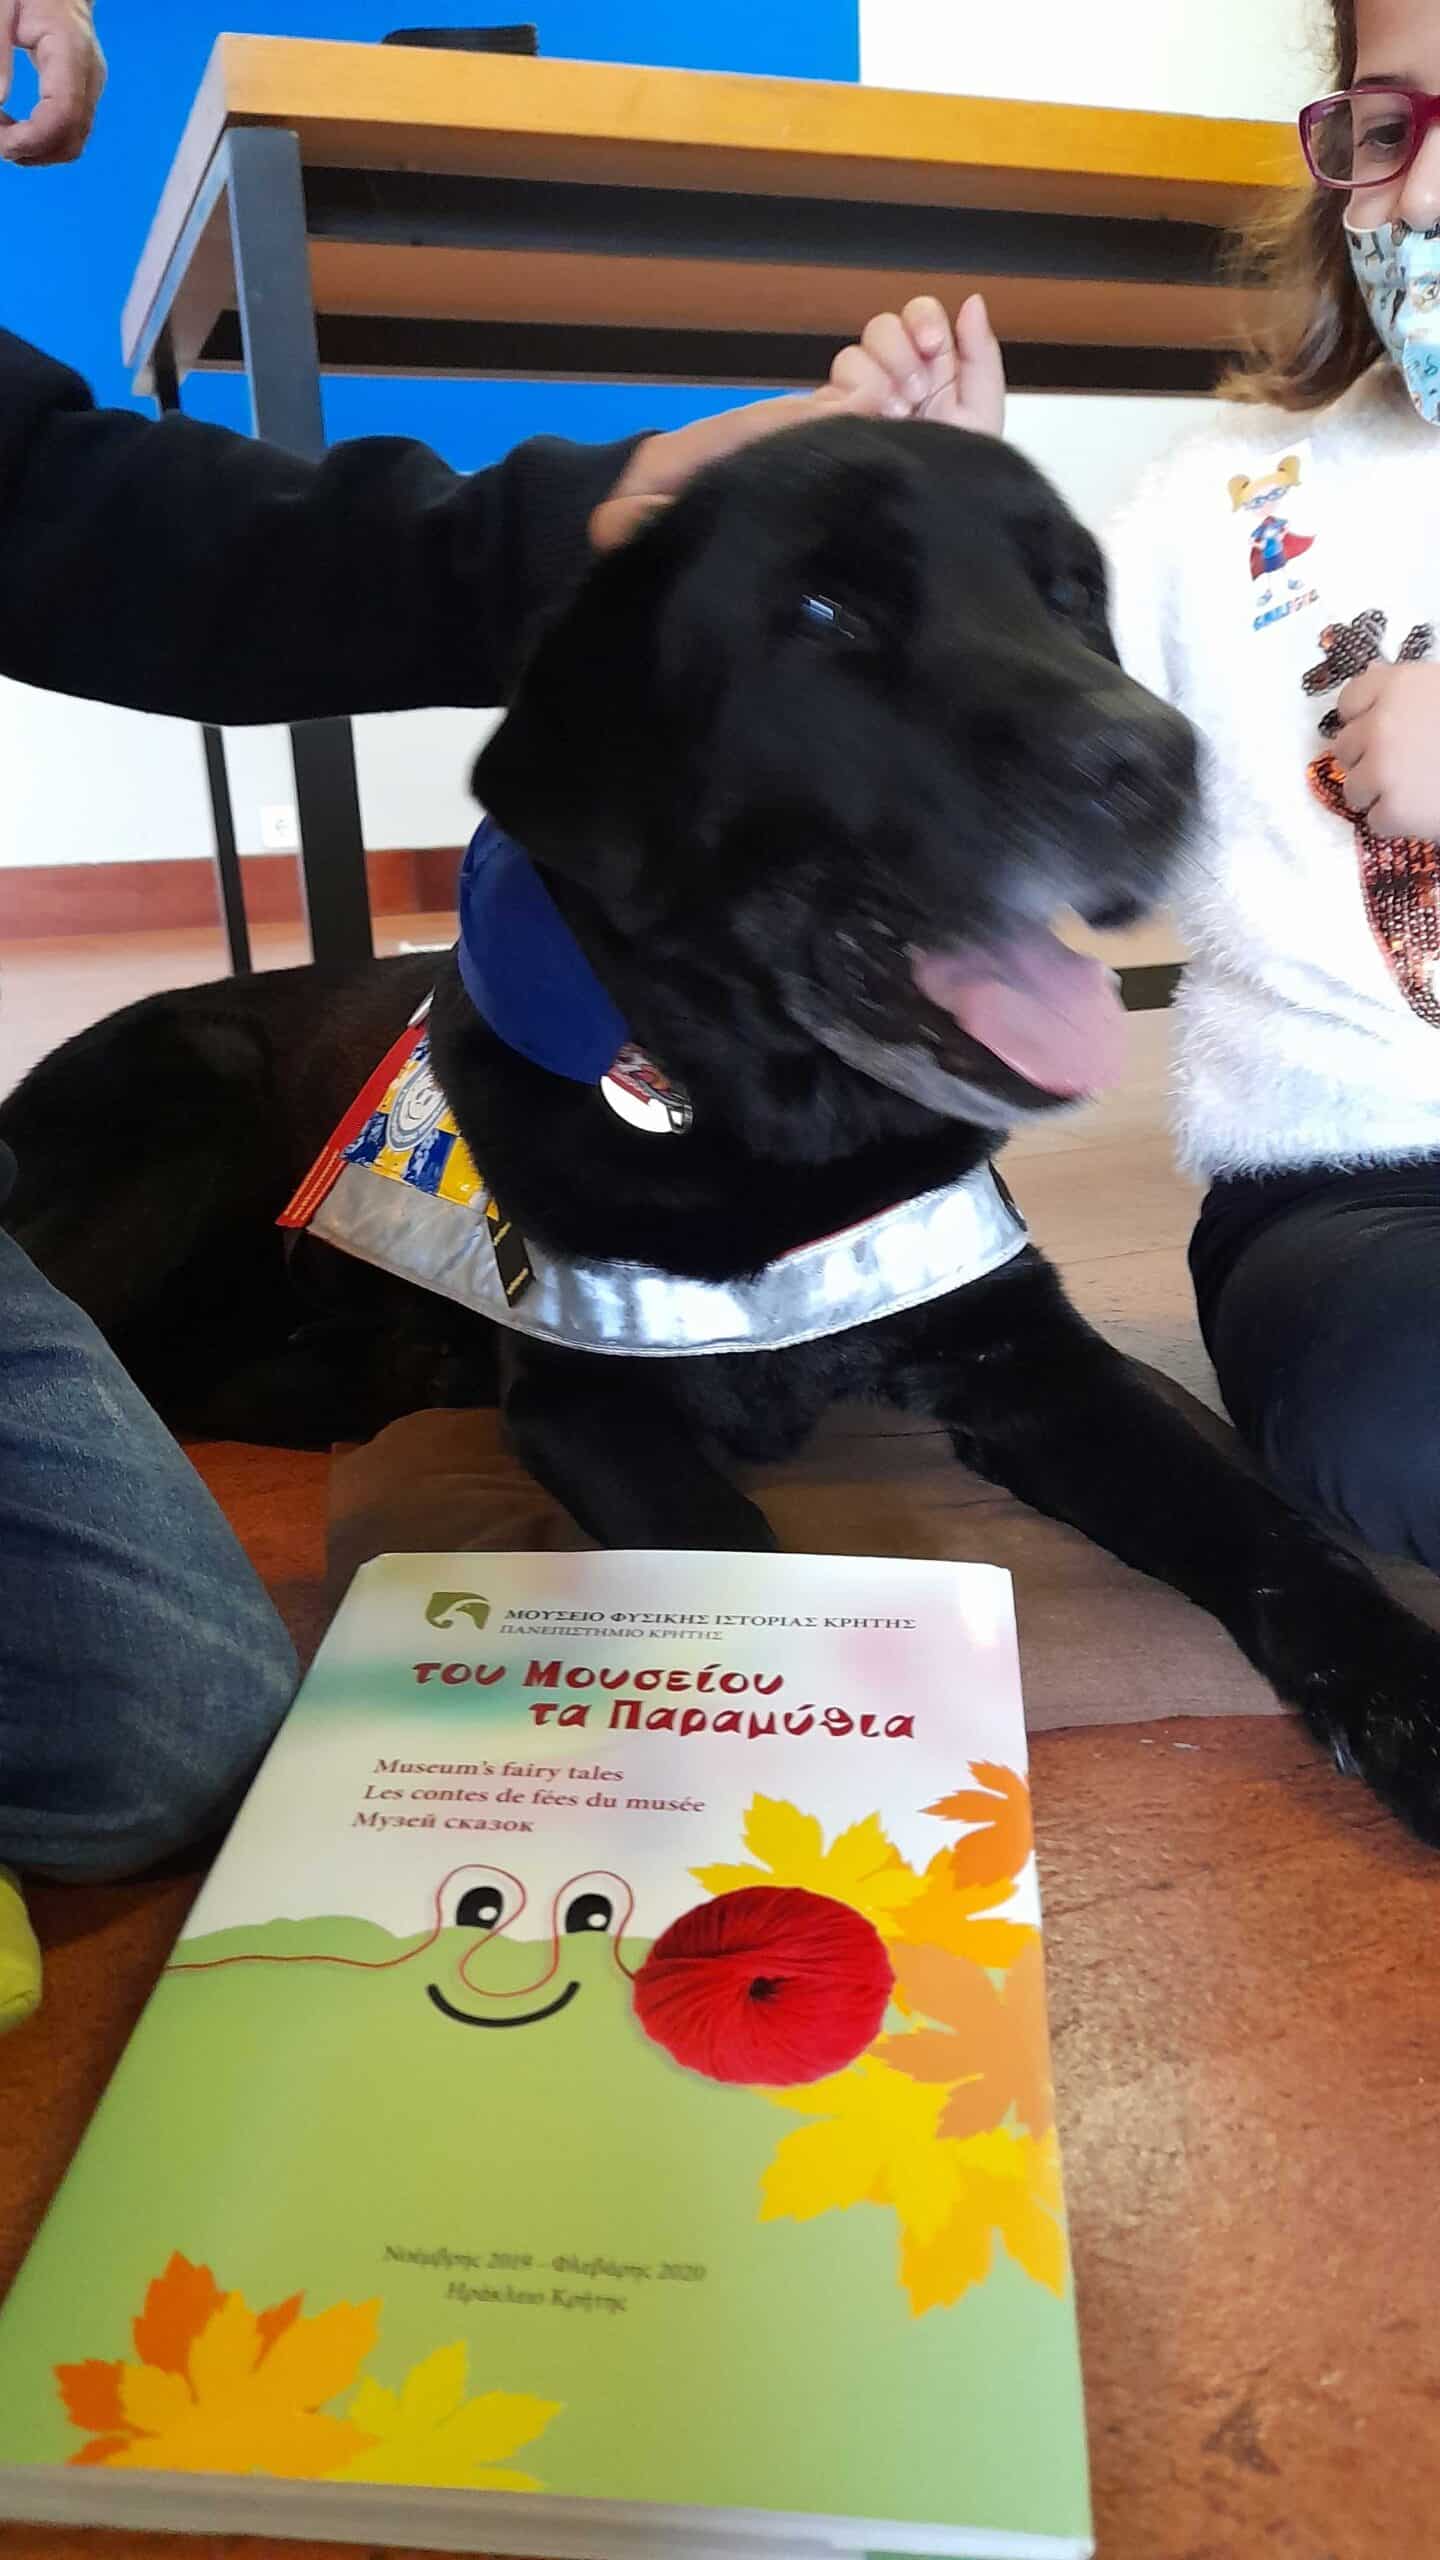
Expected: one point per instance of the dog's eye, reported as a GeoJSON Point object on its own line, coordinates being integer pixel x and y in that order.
{"type": "Point", "coordinates": [1072, 596]}
{"type": "Point", "coordinates": [824, 619]}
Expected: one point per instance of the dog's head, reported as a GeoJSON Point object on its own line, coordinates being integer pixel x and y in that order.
{"type": "Point", "coordinates": [844, 727]}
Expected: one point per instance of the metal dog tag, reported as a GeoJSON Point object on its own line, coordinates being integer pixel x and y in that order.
{"type": "Point", "coordinates": [645, 1098]}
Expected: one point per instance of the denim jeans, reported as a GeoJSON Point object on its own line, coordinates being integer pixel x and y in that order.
{"type": "Point", "coordinates": [142, 1668]}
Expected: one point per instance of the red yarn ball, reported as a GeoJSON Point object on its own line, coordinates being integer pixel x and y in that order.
{"type": "Point", "coordinates": [771, 1987]}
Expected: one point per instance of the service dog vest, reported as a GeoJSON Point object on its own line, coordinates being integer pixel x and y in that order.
{"type": "Point", "coordinates": [398, 1188]}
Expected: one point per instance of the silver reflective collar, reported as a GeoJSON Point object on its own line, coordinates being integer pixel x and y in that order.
{"type": "Point", "coordinates": [398, 1187]}
{"type": "Point", "coordinates": [922, 1250]}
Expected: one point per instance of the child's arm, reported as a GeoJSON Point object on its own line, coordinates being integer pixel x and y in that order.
{"type": "Point", "coordinates": [1389, 745]}
{"type": "Point", "coordinates": [170, 566]}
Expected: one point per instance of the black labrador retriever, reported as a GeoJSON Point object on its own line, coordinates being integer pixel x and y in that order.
{"type": "Point", "coordinates": [808, 769]}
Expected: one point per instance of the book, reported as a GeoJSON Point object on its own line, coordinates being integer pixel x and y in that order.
{"type": "Point", "coordinates": [599, 2106]}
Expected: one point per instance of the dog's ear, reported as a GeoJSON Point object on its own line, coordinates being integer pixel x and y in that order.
{"type": "Point", "coordinates": [583, 750]}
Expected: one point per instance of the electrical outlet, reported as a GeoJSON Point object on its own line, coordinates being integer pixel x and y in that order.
{"type": "Point", "coordinates": [279, 827]}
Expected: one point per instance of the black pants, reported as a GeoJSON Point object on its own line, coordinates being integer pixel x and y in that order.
{"type": "Point", "coordinates": [1319, 1300]}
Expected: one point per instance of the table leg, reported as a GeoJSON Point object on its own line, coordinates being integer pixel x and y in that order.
{"type": "Point", "coordinates": [222, 813]}
{"type": "Point", "coordinates": [277, 324]}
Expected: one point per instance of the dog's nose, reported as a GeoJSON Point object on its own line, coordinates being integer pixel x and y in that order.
{"type": "Point", "coordinates": [1140, 755]}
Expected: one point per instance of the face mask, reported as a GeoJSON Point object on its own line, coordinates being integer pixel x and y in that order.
{"type": "Point", "coordinates": [1398, 272]}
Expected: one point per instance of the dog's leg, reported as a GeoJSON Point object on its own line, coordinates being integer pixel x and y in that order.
{"type": "Point", "coordinates": [1039, 1403]}
{"type": "Point", "coordinates": [606, 1441]}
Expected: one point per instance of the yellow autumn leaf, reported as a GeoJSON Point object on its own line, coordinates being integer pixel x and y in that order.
{"type": "Point", "coordinates": [152, 2400]}
{"type": "Point", "coordinates": [429, 2436]}
{"type": "Point", "coordinates": [1003, 2158]}
{"type": "Point", "coordinates": [861, 1868]}
{"type": "Point", "coordinates": [1022, 2181]}
{"type": "Point", "coordinates": [431, 2391]}
{"type": "Point", "coordinates": [1008, 2189]}
{"type": "Point", "coordinates": [936, 2272]}
{"type": "Point", "coordinates": [314, 2360]}
{"type": "Point", "coordinates": [877, 2144]}
{"type": "Point", "coordinates": [1036, 2242]}
{"type": "Point", "coordinates": [250, 2398]}
{"type": "Point", "coordinates": [780, 1835]}
{"type": "Point", "coordinates": [224, 2356]}
{"type": "Point", "coordinates": [282, 2444]}
{"type": "Point", "coordinates": [820, 2169]}
{"type": "Point", "coordinates": [878, 2141]}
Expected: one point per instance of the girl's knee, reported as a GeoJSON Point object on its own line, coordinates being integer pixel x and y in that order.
{"type": "Point", "coordinates": [1341, 1407]}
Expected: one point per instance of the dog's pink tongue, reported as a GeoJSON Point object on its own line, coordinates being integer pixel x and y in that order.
{"type": "Point", "coordinates": [1051, 1014]}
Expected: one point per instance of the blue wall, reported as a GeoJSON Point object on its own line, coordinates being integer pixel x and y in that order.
{"type": "Point", "coordinates": [69, 238]}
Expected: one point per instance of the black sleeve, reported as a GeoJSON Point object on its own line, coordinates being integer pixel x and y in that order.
{"type": "Point", "coordinates": [171, 566]}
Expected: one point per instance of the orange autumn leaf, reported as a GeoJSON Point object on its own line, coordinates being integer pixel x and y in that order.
{"type": "Point", "coordinates": [938, 2058]}
{"type": "Point", "coordinates": [272, 2324]}
{"type": "Point", "coordinates": [961, 1917]}
{"type": "Point", "coordinates": [1023, 1993]}
{"type": "Point", "coordinates": [970, 2056]}
{"type": "Point", "coordinates": [992, 2052]}
{"type": "Point", "coordinates": [1002, 1839]}
{"type": "Point", "coordinates": [91, 2393]}
{"type": "Point", "coordinates": [249, 2396]}
{"type": "Point", "coordinates": [178, 2306]}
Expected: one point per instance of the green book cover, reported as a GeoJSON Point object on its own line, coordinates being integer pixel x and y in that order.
{"type": "Point", "coordinates": [422, 2205]}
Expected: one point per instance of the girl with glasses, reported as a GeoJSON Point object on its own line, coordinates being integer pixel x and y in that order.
{"type": "Point", "coordinates": [1278, 578]}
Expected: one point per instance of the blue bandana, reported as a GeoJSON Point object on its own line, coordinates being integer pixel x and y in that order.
{"type": "Point", "coordinates": [524, 971]}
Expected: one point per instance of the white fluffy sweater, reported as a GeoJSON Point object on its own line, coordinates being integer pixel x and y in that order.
{"type": "Point", "coordinates": [1298, 1042]}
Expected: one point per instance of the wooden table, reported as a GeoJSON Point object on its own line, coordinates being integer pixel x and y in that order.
{"type": "Point", "coordinates": [358, 208]}
{"type": "Point", "coordinates": [1247, 2038]}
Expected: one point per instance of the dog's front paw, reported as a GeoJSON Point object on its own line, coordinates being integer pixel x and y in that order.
{"type": "Point", "coordinates": [1365, 1675]}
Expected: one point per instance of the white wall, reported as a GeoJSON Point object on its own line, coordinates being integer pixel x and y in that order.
{"type": "Point", "coordinates": [87, 784]}
{"type": "Point", "coordinates": [1198, 57]}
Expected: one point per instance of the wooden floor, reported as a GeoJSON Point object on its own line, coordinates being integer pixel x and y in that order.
{"type": "Point", "coordinates": [1246, 2020]}
{"type": "Point", "coordinates": [50, 990]}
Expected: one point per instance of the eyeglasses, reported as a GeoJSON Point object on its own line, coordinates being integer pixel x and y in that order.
{"type": "Point", "coordinates": [1365, 137]}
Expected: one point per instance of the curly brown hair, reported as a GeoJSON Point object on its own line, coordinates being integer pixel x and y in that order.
{"type": "Point", "coordinates": [1315, 338]}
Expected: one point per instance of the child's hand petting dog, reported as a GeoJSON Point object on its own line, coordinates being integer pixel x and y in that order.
{"type": "Point", "coordinates": [1389, 745]}
{"type": "Point", "coordinates": [908, 364]}
{"type": "Point", "coordinates": [912, 364]}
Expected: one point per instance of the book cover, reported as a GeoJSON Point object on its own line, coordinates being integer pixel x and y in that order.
{"type": "Point", "coordinates": [601, 2099]}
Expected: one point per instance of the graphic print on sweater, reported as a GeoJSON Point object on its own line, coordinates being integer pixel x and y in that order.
{"type": "Point", "coordinates": [1274, 548]}
{"type": "Point", "coordinates": [1400, 875]}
